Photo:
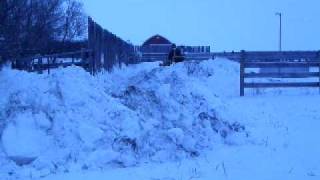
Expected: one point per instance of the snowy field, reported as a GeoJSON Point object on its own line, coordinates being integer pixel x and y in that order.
{"type": "Point", "coordinates": [145, 122]}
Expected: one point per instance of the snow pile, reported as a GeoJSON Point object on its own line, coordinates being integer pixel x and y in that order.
{"type": "Point", "coordinates": [69, 120]}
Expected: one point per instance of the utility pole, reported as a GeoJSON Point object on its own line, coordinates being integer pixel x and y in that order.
{"type": "Point", "coordinates": [280, 30]}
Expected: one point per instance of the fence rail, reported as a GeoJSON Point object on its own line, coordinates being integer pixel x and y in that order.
{"type": "Point", "coordinates": [42, 63]}
{"type": "Point", "coordinates": [282, 85]}
{"type": "Point", "coordinates": [281, 75]}
{"type": "Point", "coordinates": [270, 56]}
{"type": "Point", "coordinates": [152, 57]}
{"type": "Point", "coordinates": [165, 48]}
{"type": "Point", "coordinates": [279, 65]}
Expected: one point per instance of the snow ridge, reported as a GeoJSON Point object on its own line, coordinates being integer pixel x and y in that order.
{"type": "Point", "coordinates": [69, 120]}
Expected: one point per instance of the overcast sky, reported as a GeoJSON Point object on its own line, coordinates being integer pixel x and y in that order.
{"type": "Point", "coordinates": [223, 24]}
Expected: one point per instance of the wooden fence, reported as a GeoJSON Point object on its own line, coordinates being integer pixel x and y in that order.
{"type": "Point", "coordinates": [104, 51]}
{"type": "Point", "coordinates": [165, 48]}
{"type": "Point", "coordinates": [269, 56]}
{"type": "Point", "coordinates": [153, 57]}
{"type": "Point", "coordinates": [293, 63]}
{"type": "Point", "coordinates": [43, 63]}
{"type": "Point", "coordinates": [108, 49]}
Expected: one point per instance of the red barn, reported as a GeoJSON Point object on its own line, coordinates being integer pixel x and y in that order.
{"type": "Point", "coordinates": [156, 40]}
{"type": "Point", "coordinates": [156, 44]}
{"type": "Point", "coordinates": [157, 47]}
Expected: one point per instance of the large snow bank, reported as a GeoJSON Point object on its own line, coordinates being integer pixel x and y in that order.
{"type": "Point", "coordinates": [69, 120]}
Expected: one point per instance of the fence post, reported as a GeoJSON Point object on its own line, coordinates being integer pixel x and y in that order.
{"type": "Point", "coordinates": [27, 65]}
{"type": "Point", "coordinates": [100, 34]}
{"type": "Point", "coordinates": [83, 57]}
{"type": "Point", "coordinates": [48, 63]}
{"type": "Point", "coordinates": [90, 44]}
{"type": "Point", "coordinates": [94, 47]}
{"type": "Point", "coordinates": [40, 65]}
{"type": "Point", "coordinates": [242, 71]}
{"type": "Point", "coordinates": [318, 59]}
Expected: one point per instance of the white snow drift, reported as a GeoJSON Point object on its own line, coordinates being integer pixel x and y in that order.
{"type": "Point", "coordinates": [69, 121]}
{"type": "Point", "coordinates": [144, 113]}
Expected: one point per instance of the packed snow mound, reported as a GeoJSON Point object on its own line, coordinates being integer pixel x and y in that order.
{"type": "Point", "coordinates": [71, 120]}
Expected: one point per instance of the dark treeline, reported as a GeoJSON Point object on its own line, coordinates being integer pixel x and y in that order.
{"type": "Point", "coordinates": [31, 27]}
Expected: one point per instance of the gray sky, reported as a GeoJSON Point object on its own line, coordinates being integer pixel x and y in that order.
{"type": "Point", "coordinates": [223, 24]}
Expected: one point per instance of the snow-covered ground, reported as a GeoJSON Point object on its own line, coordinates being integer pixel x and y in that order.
{"type": "Point", "coordinates": [140, 122]}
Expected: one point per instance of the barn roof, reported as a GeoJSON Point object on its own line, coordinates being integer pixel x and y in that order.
{"type": "Point", "coordinates": [156, 39]}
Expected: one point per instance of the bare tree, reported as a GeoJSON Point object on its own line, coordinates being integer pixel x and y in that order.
{"type": "Point", "coordinates": [32, 25]}
{"type": "Point", "coordinates": [74, 21]}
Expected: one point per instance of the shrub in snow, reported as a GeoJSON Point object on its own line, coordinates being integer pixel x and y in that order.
{"type": "Point", "coordinates": [221, 127]}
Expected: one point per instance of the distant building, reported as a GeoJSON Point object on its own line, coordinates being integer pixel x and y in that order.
{"type": "Point", "coordinates": [157, 40]}
{"type": "Point", "coordinates": [160, 44]}
{"type": "Point", "coordinates": [156, 44]}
